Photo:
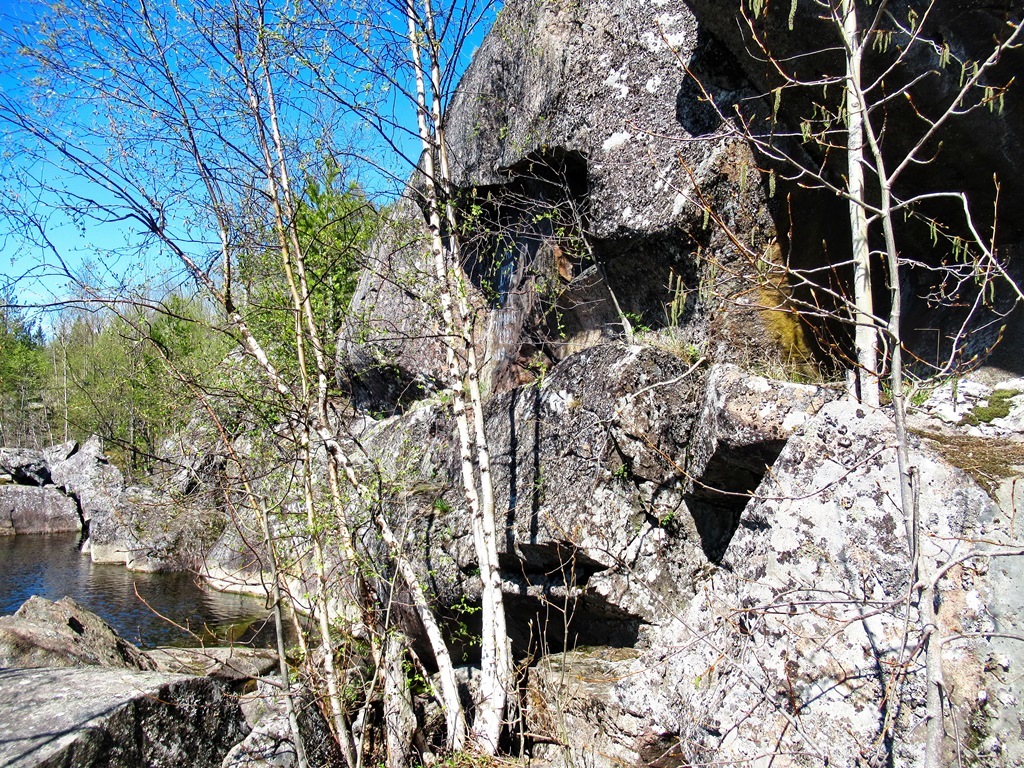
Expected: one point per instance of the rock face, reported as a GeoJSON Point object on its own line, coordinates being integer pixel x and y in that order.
{"type": "Point", "coordinates": [63, 634]}
{"type": "Point", "coordinates": [64, 718]}
{"type": "Point", "coordinates": [74, 693]}
{"type": "Point", "coordinates": [27, 509]}
{"type": "Point", "coordinates": [599, 487]}
{"type": "Point", "coordinates": [800, 646]}
{"type": "Point", "coordinates": [596, 161]}
{"type": "Point", "coordinates": [25, 466]}
{"type": "Point", "coordinates": [572, 143]}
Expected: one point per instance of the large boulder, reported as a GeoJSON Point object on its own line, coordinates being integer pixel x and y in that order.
{"type": "Point", "coordinates": [805, 647]}
{"type": "Point", "coordinates": [584, 192]}
{"type": "Point", "coordinates": [25, 466]}
{"type": "Point", "coordinates": [597, 488]}
{"type": "Point", "coordinates": [63, 634]}
{"type": "Point", "coordinates": [65, 718]}
{"type": "Point", "coordinates": [89, 476]}
{"type": "Point", "coordinates": [36, 509]}
{"type": "Point", "coordinates": [141, 527]}
{"type": "Point", "coordinates": [149, 530]}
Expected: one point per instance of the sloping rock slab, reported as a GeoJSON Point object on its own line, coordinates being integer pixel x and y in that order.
{"type": "Point", "coordinates": [56, 718]}
{"type": "Point", "coordinates": [235, 663]}
{"type": "Point", "coordinates": [64, 634]}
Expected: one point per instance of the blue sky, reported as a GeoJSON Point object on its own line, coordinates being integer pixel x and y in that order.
{"type": "Point", "coordinates": [37, 181]}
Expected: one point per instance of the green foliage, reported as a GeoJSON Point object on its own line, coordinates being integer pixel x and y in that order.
{"type": "Point", "coordinates": [23, 364]}
{"type": "Point", "coordinates": [131, 375]}
{"type": "Point", "coordinates": [459, 629]}
{"type": "Point", "coordinates": [334, 223]}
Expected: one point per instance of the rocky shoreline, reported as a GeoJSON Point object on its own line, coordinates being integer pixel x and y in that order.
{"type": "Point", "coordinates": [72, 487]}
{"type": "Point", "coordinates": [74, 693]}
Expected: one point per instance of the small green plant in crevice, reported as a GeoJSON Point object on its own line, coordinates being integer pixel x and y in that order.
{"type": "Point", "coordinates": [677, 343]}
{"type": "Point", "coordinates": [920, 396]}
{"type": "Point", "coordinates": [459, 626]}
{"type": "Point", "coordinates": [419, 684]}
{"type": "Point", "coordinates": [638, 323]}
{"type": "Point", "coordinates": [997, 407]}
{"type": "Point", "coordinates": [469, 759]}
{"type": "Point", "coordinates": [621, 472]}
{"type": "Point", "coordinates": [675, 308]}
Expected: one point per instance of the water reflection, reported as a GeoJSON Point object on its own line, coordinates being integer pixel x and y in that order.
{"type": "Point", "coordinates": [50, 565]}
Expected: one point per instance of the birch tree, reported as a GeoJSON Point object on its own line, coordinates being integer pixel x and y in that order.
{"type": "Point", "coordinates": [202, 116]}
{"type": "Point", "coordinates": [464, 372]}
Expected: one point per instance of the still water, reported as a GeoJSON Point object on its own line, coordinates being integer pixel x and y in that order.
{"type": "Point", "coordinates": [50, 565]}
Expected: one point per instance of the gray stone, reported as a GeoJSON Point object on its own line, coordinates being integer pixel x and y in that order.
{"type": "Point", "coordinates": [89, 475]}
{"type": "Point", "coordinates": [59, 452]}
{"type": "Point", "coordinates": [68, 718]}
{"type": "Point", "coordinates": [574, 715]}
{"type": "Point", "coordinates": [578, 158]}
{"type": "Point", "coordinates": [36, 509]}
{"type": "Point", "coordinates": [233, 663]}
{"type": "Point", "coordinates": [63, 634]}
{"type": "Point", "coordinates": [599, 487]}
{"type": "Point", "coordinates": [270, 743]}
{"type": "Point", "coordinates": [800, 646]}
{"type": "Point", "coordinates": [25, 466]}
{"type": "Point", "coordinates": [149, 530]}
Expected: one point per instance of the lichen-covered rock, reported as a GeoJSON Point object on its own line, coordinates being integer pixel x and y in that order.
{"type": "Point", "coordinates": [36, 509]}
{"type": "Point", "coordinates": [572, 707]}
{"type": "Point", "coordinates": [68, 718]}
{"type": "Point", "coordinates": [141, 527]}
{"type": "Point", "coordinates": [583, 188]}
{"type": "Point", "coordinates": [745, 422]}
{"type": "Point", "coordinates": [149, 530]}
{"type": "Point", "coordinates": [388, 345]}
{"type": "Point", "coordinates": [598, 488]}
{"type": "Point", "coordinates": [88, 475]}
{"type": "Point", "coordinates": [805, 647]}
{"type": "Point", "coordinates": [25, 466]}
{"type": "Point", "coordinates": [270, 744]}
{"type": "Point", "coordinates": [64, 634]}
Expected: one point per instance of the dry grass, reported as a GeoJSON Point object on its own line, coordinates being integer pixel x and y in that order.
{"type": "Point", "coordinates": [989, 460]}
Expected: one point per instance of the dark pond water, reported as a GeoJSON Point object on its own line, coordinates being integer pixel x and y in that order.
{"type": "Point", "coordinates": [50, 565]}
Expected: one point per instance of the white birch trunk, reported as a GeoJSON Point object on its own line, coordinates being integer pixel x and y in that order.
{"type": "Point", "coordinates": [496, 667]}
{"type": "Point", "coordinates": [865, 335]}
{"type": "Point", "coordinates": [455, 720]}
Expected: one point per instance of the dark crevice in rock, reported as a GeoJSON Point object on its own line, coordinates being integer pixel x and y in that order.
{"type": "Point", "coordinates": [712, 72]}
{"type": "Point", "coordinates": [527, 252]}
{"type": "Point", "coordinates": [639, 271]}
{"type": "Point", "coordinates": [84, 534]}
{"type": "Point", "coordinates": [553, 624]}
{"type": "Point", "coordinates": [723, 490]}
{"type": "Point", "coordinates": [560, 558]}
{"type": "Point", "coordinates": [550, 610]}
